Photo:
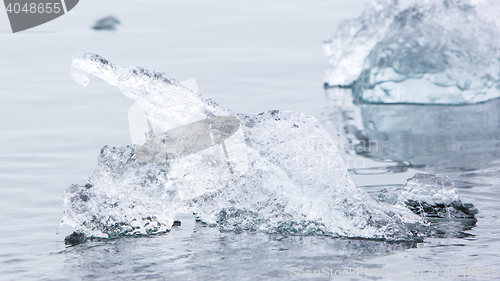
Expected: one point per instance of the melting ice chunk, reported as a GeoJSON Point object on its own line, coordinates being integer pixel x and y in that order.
{"type": "Point", "coordinates": [277, 172]}
{"type": "Point", "coordinates": [434, 196]}
{"type": "Point", "coordinates": [354, 40]}
{"type": "Point", "coordinates": [435, 52]}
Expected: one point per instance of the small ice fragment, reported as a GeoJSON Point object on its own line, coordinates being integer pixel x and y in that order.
{"type": "Point", "coordinates": [107, 23]}
{"type": "Point", "coordinates": [139, 125]}
{"type": "Point", "coordinates": [275, 172]}
{"type": "Point", "coordinates": [433, 52]}
{"type": "Point", "coordinates": [354, 39]}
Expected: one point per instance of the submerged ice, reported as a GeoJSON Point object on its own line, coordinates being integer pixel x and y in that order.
{"type": "Point", "coordinates": [436, 52]}
{"type": "Point", "coordinates": [276, 172]}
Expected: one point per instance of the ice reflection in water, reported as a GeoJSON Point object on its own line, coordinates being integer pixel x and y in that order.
{"type": "Point", "coordinates": [438, 138]}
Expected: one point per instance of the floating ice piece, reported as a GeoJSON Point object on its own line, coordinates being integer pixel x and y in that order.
{"type": "Point", "coordinates": [281, 174]}
{"type": "Point", "coordinates": [436, 52]}
{"type": "Point", "coordinates": [195, 137]}
{"type": "Point", "coordinates": [107, 23]}
{"type": "Point", "coordinates": [434, 196]}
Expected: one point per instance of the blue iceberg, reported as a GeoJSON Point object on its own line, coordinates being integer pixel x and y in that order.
{"type": "Point", "coordinates": [435, 52]}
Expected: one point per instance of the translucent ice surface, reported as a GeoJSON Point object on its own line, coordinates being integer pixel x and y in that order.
{"type": "Point", "coordinates": [276, 172]}
{"type": "Point", "coordinates": [435, 196]}
{"type": "Point", "coordinates": [438, 138]}
{"type": "Point", "coordinates": [107, 23]}
{"type": "Point", "coordinates": [434, 52]}
{"type": "Point", "coordinates": [354, 40]}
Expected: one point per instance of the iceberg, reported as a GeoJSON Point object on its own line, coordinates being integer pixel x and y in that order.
{"type": "Point", "coordinates": [275, 172]}
{"type": "Point", "coordinates": [434, 198]}
{"type": "Point", "coordinates": [435, 52]}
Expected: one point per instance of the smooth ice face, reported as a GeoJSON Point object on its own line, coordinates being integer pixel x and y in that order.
{"type": "Point", "coordinates": [436, 52]}
{"type": "Point", "coordinates": [277, 172]}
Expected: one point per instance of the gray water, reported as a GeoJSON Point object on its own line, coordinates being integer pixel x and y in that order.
{"type": "Point", "coordinates": [250, 57]}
